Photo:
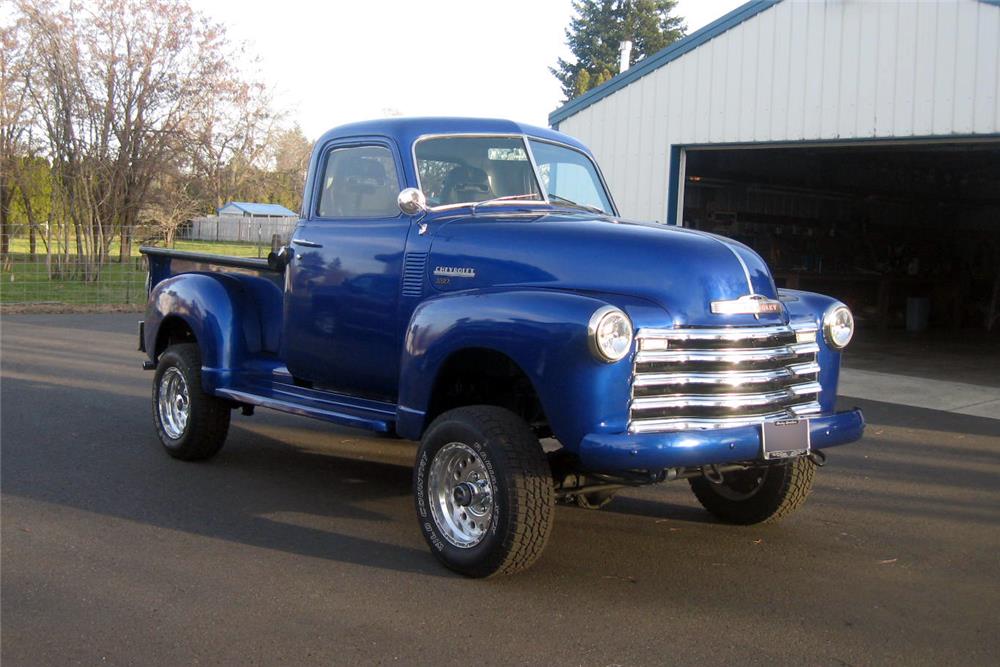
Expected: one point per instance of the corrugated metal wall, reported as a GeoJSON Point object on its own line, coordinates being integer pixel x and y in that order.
{"type": "Point", "coordinates": [802, 71]}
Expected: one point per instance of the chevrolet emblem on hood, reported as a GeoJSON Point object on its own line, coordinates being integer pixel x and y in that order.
{"type": "Point", "coordinates": [753, 304]}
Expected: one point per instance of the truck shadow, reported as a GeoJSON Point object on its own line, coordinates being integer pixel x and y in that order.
{"type": "Point", "coordinates": [259, 491]}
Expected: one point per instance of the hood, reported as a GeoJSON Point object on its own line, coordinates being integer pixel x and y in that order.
{"type": "Point", "coordinates": [679, 269]}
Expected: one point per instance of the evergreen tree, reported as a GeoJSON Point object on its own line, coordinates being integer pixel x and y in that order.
{"type": "Point", "coordinates": [599, 27]}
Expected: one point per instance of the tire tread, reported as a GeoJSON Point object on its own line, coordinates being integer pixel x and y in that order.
{"type": "Point", "coordinates": [530, 489]}
{"type": "Point", "coordinates": [790, 494]}
{"type": "Point", "coordinates": [208, 423]}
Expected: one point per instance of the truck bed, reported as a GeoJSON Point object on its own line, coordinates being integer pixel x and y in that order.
{"type": "Point", "coordinates": [262, 378]}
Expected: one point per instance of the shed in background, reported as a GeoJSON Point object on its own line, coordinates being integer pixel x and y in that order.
{"type": "Point", "coordinates": [244, 222]}
{"type": "Point", "coordinates": [854, 144]}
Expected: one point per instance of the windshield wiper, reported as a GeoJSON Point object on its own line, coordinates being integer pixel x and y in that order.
{"type": "Point", "coordinates": [526, 195]}
{"type": "Point", "coordinates": [570, 202]}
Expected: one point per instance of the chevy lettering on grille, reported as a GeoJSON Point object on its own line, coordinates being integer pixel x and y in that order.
{"type": "Point", "coordinates": [754, 304]}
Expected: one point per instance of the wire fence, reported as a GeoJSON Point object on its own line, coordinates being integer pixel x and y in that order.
{"type": "Point", "coordinates": [57, 275]}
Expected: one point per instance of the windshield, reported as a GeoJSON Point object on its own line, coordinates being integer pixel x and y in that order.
{"type": "Point", "coordinates": [569, 176]}
{"type": "Point", "coordinates": [457, 170]}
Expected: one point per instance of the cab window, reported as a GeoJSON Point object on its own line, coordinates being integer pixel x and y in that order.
{"type": "Point", "coordinates": [359, 182]}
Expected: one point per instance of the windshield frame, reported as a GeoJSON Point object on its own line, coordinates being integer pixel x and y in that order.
{"type": "Point", "coordinates": [544, 201]}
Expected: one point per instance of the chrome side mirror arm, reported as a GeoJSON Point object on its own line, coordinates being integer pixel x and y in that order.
{"type": "Point", "coordinates": [412, 201]}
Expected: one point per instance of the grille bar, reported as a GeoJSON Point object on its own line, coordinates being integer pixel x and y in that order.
{"type": "Point", "coordinates": [728, 355]}
{"type": "Point", "coordinates": [722, 377]}
{"type": "Point", "coordinates": [727, 378]}
{"type": "Point", "coordinates": [726, 400]}
{"type": "Point", "coordinates": [690, 423]}
{"type": "Point", "coordinates": [716, 334]}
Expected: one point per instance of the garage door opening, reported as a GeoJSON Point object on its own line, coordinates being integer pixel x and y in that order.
{"type": "Point", "coordinates": [908, 235]}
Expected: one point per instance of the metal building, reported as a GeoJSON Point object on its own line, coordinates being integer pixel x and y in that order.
{"type": "Point", "coordinates": [801, 127]}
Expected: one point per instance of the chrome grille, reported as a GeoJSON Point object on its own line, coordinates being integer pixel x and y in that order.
{"type": "Point", "coordinates": [716, 378]}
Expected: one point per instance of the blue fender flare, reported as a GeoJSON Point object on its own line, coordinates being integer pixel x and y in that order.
{"type": "Point", "coordinates": [220, 312]}
{"type": "Point", "coordinates": [544, 332]}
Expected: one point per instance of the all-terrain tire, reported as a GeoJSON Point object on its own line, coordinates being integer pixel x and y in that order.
{"type": "Point", "coordinates": [504, 452]}
{"type": "Point", "coordinates": [191, 425]}
{"type": "Point", "coordinates": [783, 488]}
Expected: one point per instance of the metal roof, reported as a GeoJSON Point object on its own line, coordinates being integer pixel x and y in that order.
{"type": "Point", "coordinates": [667, 54]}
{"type": "Point", "coordinates": [271, 210]}
{"type": "Point", "coordinates": [660, 58]}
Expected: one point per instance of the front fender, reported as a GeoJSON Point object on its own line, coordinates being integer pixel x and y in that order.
{"type": "Point", "coordinates": [544, 332]}
{"type": "Point", "coordinates": [809, 306]}
{"type": "Point", "coordinates": [219, 310]}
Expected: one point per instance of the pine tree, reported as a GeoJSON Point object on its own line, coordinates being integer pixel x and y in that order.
{"type": "Point", "coordinates": [597, 30]}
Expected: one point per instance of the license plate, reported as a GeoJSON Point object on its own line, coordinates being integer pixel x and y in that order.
{"type": "Point", "coordinates": [785, 438]}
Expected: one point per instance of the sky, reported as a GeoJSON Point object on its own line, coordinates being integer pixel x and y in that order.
{"type": "Point", "coordinates": [332, 62]}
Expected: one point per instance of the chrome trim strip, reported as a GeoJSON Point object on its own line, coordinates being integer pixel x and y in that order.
{"type": "Point", "coordinates": [807, 325]}
{"type": "Point", "coordinates": [725, 400]}
{"type": "Point", "coordinates": [730, 378]}
{"type": "Point", "coordinates": [746, 270]}
{"type": "Point", "coordinates": [731, 333]}
{"type": "Point", "coordinates": [804, 369]}
{"type": "Point", "coordinates": [534, 167]}
{"type": "Point", "coordinates": [731, 355]}
{"type": "Point", "coordinates": [689, 423]}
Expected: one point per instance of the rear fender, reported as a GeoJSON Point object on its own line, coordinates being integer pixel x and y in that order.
{"type": "Point", "coordinates": [224, 312]}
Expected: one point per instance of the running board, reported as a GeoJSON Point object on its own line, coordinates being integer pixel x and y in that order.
{"type": "Point", "coordinates": [324, 405]}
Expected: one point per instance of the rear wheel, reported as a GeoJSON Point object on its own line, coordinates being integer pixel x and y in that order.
{"type": "Point", "coordinates": [757, 495]}
{"type": "Point", "coordinates": [191, 424]}
{"type": "Point", "coordinates": [483, 491]}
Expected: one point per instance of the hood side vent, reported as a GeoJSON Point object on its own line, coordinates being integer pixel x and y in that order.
{"type": "Point", "coordinates": [414, 268]}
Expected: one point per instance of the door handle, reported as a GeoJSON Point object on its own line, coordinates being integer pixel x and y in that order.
{"type": "Point", "coordinates": [307, 244]}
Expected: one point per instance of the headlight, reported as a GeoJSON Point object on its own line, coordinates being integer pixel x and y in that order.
{"type": "Point", "coordinates": [838, 326]}
{"type": "Point", "coordinates": [610, 333]}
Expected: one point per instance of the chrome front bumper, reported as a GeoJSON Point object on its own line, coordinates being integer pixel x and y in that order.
{"type": "Point", "coordinates": [606, 452]}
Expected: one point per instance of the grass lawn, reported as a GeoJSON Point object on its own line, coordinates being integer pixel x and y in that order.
{"type": "Point", "coordinates": [24, 280]}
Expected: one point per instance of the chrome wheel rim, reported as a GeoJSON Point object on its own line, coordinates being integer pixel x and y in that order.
{"type": "Point", "coordinates": [460, 495]}
{"type": "Point", "coordinates": [174, 403]}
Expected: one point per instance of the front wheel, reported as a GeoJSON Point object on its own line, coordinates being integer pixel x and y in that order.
{"type": "Point", "coordinates": [757, 495]}
{"type": "Point", "coordinates": [192, 425]}
{"type": "Point", "coordinates": [483, 491]}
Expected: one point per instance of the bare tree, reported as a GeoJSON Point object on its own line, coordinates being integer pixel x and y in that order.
{"type": "Point", "coordinates": [119, 90]}
{"type": "Point", "coordinates": [172, 203]}
{"type": "Point", "coordinates": [232, 133]}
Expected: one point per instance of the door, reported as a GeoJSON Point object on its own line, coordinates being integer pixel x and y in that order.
{"type": "Point", "coordinates": [343, 281]}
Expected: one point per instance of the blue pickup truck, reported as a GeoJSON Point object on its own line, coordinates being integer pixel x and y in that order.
{"type": "Point", "coordinates": [469, 284]}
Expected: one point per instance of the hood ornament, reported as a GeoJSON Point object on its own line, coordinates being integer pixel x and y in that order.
{"type": "Point", "coordinates": [752, 304]}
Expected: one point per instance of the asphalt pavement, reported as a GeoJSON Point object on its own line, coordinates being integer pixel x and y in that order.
{"type": "Point", "coordinates": [298, 544]}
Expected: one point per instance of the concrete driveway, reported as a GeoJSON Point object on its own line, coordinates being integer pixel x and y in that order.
{"type": "Point", "coordinates": [298, 544]}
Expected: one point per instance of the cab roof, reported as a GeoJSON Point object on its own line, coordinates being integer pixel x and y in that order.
{"type": "Point", "coordinates": [404, 131]}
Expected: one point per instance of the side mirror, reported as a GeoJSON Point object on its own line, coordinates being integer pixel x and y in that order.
{"type": "Point", "coordinates": [412, 201]}
{"type": "Point", "coordinates": [277, 261]}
